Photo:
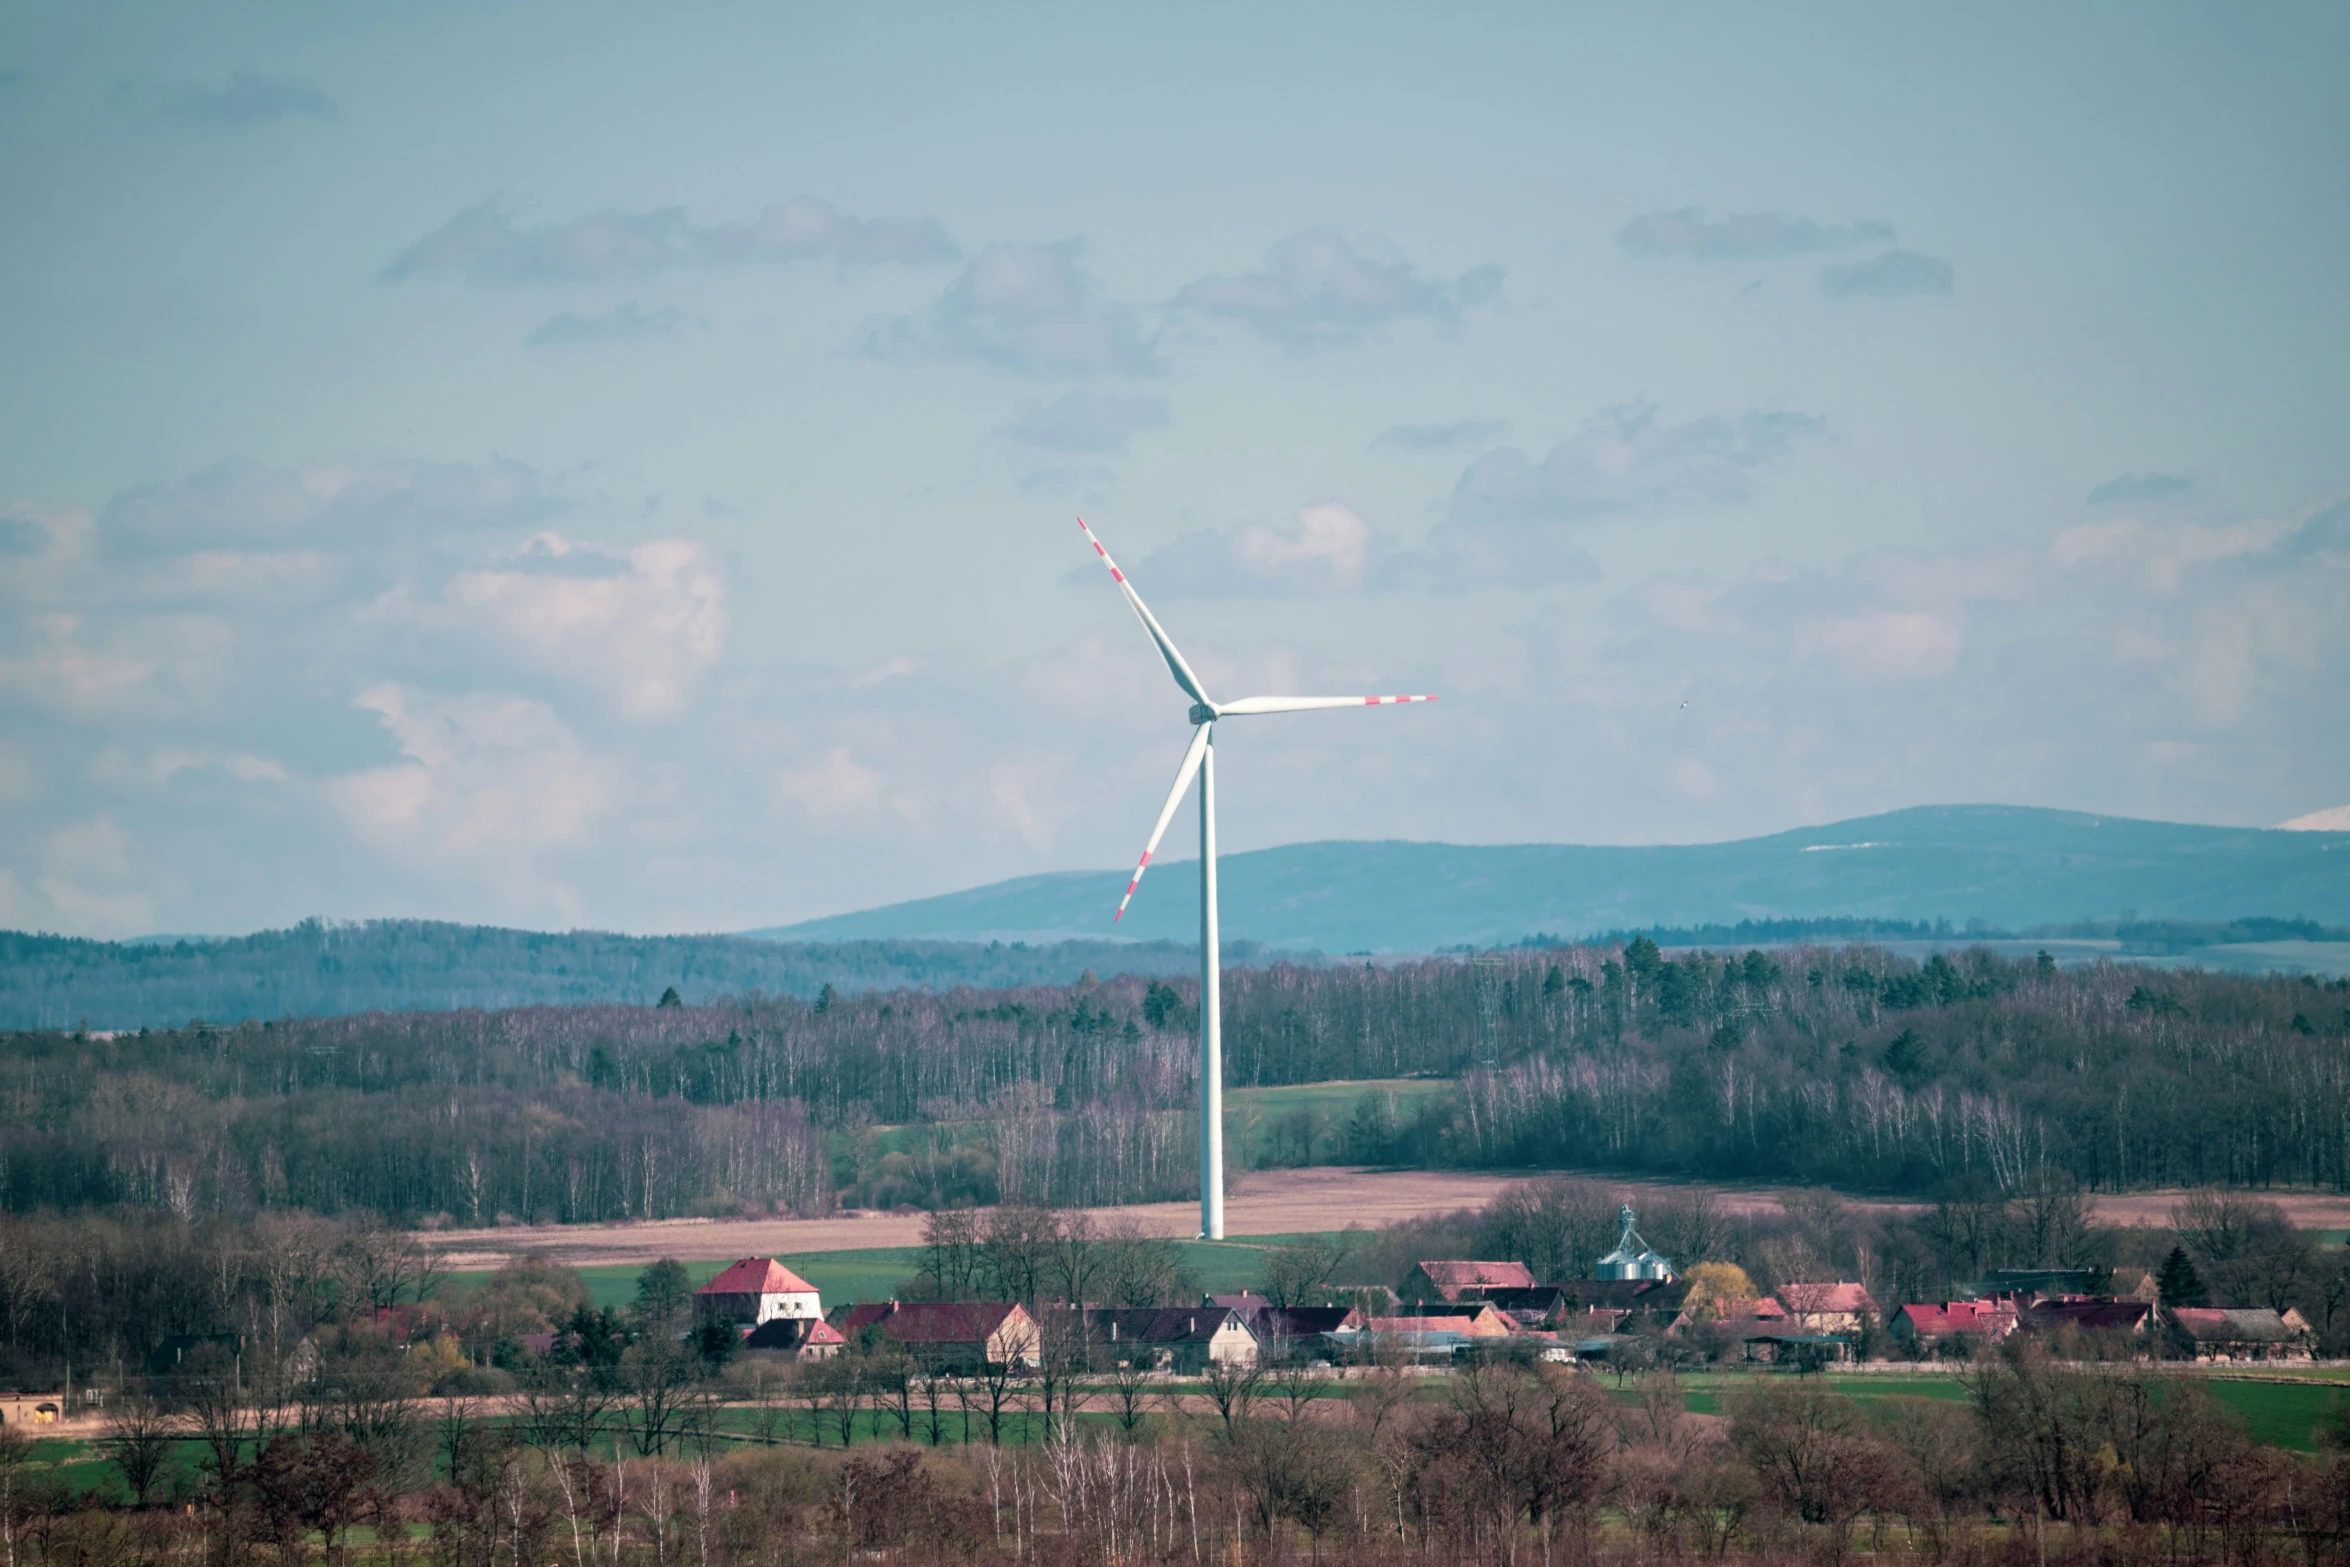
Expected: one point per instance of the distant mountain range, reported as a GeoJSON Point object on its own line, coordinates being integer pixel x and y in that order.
{"type": "Point", "coordinates": [2013, 870]}
{"type": "Point", "coordinates": [2012, 867]}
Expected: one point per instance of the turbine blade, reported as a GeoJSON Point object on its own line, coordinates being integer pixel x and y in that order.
{"type": "Point", "coordinates": [1175, 664]}
{"type": "Point", "coordinates": [1301, 704]}
{"type": "Point", "coordinates": [1183, 777]}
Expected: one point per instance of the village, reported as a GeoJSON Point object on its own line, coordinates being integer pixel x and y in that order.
{"type": "Point", "coordinates": [1635, 1312]}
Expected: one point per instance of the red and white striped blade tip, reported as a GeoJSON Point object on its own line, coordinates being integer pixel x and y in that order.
{"type": "Point", "coordinates": [1382, 701]}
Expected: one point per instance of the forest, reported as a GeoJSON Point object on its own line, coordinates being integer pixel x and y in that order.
{"type": "Point", "coordinates": [322, 967]}
{"type": "Point", "coordinates": [1842, 1066]}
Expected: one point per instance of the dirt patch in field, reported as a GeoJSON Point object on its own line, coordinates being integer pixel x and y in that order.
{"type": "Point", "coordinates": [2308, 1210]}
{"type": "Point", "coordinates": [1269, 1202]}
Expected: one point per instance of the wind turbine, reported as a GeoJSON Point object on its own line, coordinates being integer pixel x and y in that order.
{"type": "Point", "coordinates": [1200, 758]}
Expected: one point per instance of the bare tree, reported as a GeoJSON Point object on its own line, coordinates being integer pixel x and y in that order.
{"type": "Point", "coordinates": [388, 1265]}
{"type": "Point", "coordinates": [1132, 1390]}
{"type": "Point", "coordinates": [1233, 1387]}
{"type": "Point", "coordinates": [1302, 1273]}
{"type": "Point", "coordinates": [139, 1440]}
{"type": "Point", "coordinates": [1138, 1269]}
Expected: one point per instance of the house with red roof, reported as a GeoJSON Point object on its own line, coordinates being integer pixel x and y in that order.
{"type": "Point", "coordinates": [754, 1291]}
{"type": "Point", "coordinates": [1472, 1318]}
{"type": "Point", "coordinates": [1451, 1281]}
{"type": "Point", "coordinates": [1961, 1320]}
{"type": "Point", "coordinates": [947, 1335]}
{"type": "Point", "coordinates": [1826, 1308]}
{"type": "Point", "coordinates": [2240, 1333]}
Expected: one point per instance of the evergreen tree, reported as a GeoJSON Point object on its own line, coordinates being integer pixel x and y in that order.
{"type": "Point", "coordinates": [663, 1292]}
{"type": "Point", "coordinates": [2180, 1284]}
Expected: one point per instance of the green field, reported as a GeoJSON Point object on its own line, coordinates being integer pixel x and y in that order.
{"type": "Point", "coordinates": [1304, 1123]}
{"type": "Point", "coordinates": [2277, 1411]}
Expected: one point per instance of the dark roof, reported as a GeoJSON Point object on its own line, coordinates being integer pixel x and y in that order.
{"type": "Point", "coordinates": [2089, 1316]}
{"type": "Point", "coordinates": [1615, 1294]}
{"type": "Point", "coordinates": [1267, 1320]}
{"type": "Point", "coordinates": [1191, 1324]}
{"type": "Point", "coordinates": [2042, 1281]}
{"type": "Point", "coordinates": [792, 1333]}
{"type": "Point", "coordinates": [926, 1322]}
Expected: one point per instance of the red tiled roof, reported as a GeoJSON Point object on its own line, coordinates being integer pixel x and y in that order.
{"type": "Point", "coordinates": [1810, 1298]}
{"type": "Point", "coordinates": [1479, 1275]}
{"type": "Point", "coordinates": [2233, 1325]}
{"type": "Point", "coordinates": [757, 1276]}
{"type": "Point", "coordinates": [1459, 1325]}
{"type": "Point", "coordinates": [1958, 1316]}
{"type": "Point", "coordinates": [2090, 1316]}
{"type": "Point", "coordinates": [928, 1322]}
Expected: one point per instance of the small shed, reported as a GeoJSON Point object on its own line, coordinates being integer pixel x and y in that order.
{"type": "Point", "coordinates": [1797, 1348]}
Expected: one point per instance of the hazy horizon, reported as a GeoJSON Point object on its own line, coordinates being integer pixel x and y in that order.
{"type": "Point", "coordinates": [589, 466]}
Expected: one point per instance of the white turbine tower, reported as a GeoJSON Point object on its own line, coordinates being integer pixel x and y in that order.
{"type": "Point", "coordinates": [1200, 758]}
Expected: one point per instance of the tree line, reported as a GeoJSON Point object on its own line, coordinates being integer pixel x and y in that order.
{"type": "Point", "coordinates": [322, 967]}
{"type": "Point", "coordinates": [1836, 1066]}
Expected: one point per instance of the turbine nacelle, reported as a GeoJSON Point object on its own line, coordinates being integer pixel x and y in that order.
{"type": "Point", "coordinates": [1202, 713]}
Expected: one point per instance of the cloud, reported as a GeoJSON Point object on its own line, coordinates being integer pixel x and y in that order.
{"type": "Point", "coordinates": [22, 535]}
{"type": "Point", "coordinates": [837, 785]}
{"type": "Point", "coordinates": [118, 768]}
{"type": "Point", "coordinates": [1320, 291]}
{"type": "Point", "coordinates": [20, 778]}
{"type": "Point", "coordinates": [90, 879]}
{"type": "Point", "coordinates": [80, 666]}
{"type": "Point", "coordinates": [2137, 488]}
{"type": "Point", "coordinates": [1089, 482]}
{"type": "Point", "coordinates": [1889, 276]}
{"type": "Point", "coordinates": [639, 627]}
{"type": "Point", "coordinates": [489, 244]}
{"type": "Point", "coordinates": [1329, 551]}
{"type": "Point", "coordinates": [247, 505]}
{"type": "Point", "coordinates": [621, 321]}
{"type": "Point", "coordinates": [1508, 525]}
{"type": "Point", "coordinates": [1437, 437]}
{"type": "Point", "coordinates": [487, 786]}
{"type": "Point", "coordinates": [1024, 308]}
{"type": "Point", "coordinates": [1743, 236]}
{"type": "Point", "coordinates": [248, 99]}
{"type": "Point", "coordinates": [1895, 644]}
{"type": "Point", "coordinates": [1627, 463]}
{"type": "Point", "coordinates": [805, 229]}
{"type": "Point", "coordinates": [1088, 422]}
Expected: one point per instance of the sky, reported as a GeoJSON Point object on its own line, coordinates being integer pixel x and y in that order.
{"type": "Point", "coordinates": [615, 465]}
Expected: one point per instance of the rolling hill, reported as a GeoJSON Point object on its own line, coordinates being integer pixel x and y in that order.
{"type": "Point", "coordinates": [2010, 866]}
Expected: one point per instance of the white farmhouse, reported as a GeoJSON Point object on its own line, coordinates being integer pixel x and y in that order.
{"type": "Point", "coordinates": [756, 1290]}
